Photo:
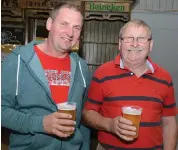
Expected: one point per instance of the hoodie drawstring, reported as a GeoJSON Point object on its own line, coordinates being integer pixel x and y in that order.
{"type": "Point", "coordinates": [84, 82]}
{"type": "Point", "coordinates": [18, 69]}
{"type": "Point", "coordinates": [17, 77]}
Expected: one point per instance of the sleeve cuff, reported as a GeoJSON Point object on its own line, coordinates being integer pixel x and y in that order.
{"type": "Point", "coordinates": [37, 124]}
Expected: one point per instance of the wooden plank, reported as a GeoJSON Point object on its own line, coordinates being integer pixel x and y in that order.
{"type": "Point", "coordinates": [149, 4]}
{"type": "Point", "coordinates": [175, 5]}
{"type": "Point", "coordinates": [142, 4]}
{"type": "Point", "coordinates": [163, 4]}
{"type": "Point", "coordinates": [157, 5]}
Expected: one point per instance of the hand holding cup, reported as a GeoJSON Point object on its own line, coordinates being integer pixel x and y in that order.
{"type": "Point", "coordinates": [61, 123]}
{"type": "Point", "coordinates": [133, 113]}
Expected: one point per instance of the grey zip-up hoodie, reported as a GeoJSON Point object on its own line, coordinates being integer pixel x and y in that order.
{"type": "Point", "coordinates": [26, 99]}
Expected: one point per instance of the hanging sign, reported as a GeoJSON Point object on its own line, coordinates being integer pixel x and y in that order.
{"type": "Point", "coordinates": [107, 7]}
{"type": "Point", "coordinates": [42, 4]}
{"type": "Point", "coordinates": [9, 3]}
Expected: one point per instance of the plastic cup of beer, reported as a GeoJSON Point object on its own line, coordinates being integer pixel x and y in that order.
{"type": "Point", "coordinates": [68, 108]}
{"type": "Point", "coordinates": [133, 113]}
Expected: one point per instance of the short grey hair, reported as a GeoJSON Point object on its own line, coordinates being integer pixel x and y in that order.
{"type": "Point", "coordinates": [138, 23]}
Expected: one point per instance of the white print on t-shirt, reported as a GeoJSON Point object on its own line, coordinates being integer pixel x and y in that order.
{"type": "Point", "coordinates": [55, 77]}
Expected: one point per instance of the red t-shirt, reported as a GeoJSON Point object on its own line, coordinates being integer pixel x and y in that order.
{"type": "Point", "coordinates": [58, 72]}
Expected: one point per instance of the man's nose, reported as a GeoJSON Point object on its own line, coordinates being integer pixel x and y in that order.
{"type": "Point", "coordinates": [135, 42]}
{"type": "Point", "coordinates": [70, 32]}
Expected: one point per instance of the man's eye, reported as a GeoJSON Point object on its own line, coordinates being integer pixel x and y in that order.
{"type": "Point", "coordinates": [63, 24]}
{"type": "Point", "coordinates": [142, 37]}
{"type": "Point", "coordinates": [128, 38]}
{"type": "Point", "coordinates": [77, 29]}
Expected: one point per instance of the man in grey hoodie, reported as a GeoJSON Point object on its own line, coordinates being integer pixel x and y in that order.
{"type": "Point", "coordinates": [38, 76]}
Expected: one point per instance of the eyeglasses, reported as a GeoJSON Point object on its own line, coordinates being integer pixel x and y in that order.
{"type": "Point", "coordinates": [142, 40]}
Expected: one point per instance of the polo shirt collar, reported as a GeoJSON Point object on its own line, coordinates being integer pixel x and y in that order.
{"type": "Point", "coordinates": [118, 62]}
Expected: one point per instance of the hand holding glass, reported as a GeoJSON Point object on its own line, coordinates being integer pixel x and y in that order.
{"type": "Point", "coordinates": [133, 113]}
{"type": "Point", "coordinates": [68, 108]}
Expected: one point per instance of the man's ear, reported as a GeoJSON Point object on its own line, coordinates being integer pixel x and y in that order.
{"type": "Point", "coordinates": [151, 45]}
{"type": "Point", "coordinates": [119, 45]}
{"type": "Point", "coordinates": [49, 23]}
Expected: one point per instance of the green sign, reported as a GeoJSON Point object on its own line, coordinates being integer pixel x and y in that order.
{"type": "Point", "coordinates": [106, 7]}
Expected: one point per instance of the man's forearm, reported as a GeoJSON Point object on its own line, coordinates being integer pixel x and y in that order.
{"type": "Point", "coordinates": [170, 136]}
{"type": "Point", "coordinates": [96, 121]}
{"type": "Point", "coordinates": [21, 122]}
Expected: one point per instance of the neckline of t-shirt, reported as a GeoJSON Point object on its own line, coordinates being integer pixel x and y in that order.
{"type": "Point", "coordinates": [38, 50]}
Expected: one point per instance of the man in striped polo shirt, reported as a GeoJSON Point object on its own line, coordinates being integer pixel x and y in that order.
{"type": "Point", "coordinates": [132, 79]}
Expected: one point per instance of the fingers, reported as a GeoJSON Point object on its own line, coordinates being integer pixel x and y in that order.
{"type": "Point", "coordinates": [124, 128]}
{"type": "Point", "coordinates": [121, 131]}
{"type": "Point", "coordinates": [125, 124]}
{"type": "Point", "coordinates": [59, 124]}
{"type": "Point", "coordinates": [124, 137]}
{"type": "Point", "coordinates": [63, 131]}
{"type": "Point", "coordinates": [62, 115]}
{"type": "Point", "coordinates": [63, 125]}
{"type": "Point", "coordinates": [124, 121]}
{"type": "Point", "coordinates": [59, 133]}
{"type": "Point", "coordinates": [64, 119]}
{"type": "Point", "coordinates": [125, 133]}
{"type": "Point", "coordinates": [65, 122]}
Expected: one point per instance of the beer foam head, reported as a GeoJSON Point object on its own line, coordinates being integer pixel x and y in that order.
{"type": "Point", "coordinates": [132, 110]}
{"type": "Point", "coordinates": [66, 106]}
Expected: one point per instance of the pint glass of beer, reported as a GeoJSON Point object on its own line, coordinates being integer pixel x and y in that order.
{"type": "Point", "coordinates": [68, 108]}
{"type": "Point", "coordinates": [133, 113]}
